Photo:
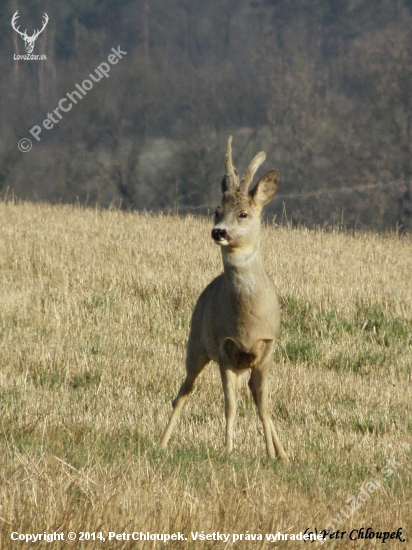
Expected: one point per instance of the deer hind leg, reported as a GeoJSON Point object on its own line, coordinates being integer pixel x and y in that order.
{"type": "Point", "coordinates": [196, 359]}
{"type": "Point", "coordinates": [258, 385]}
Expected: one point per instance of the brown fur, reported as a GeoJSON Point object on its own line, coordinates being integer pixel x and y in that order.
{"type": "Point", "coordinates": [236, 319]}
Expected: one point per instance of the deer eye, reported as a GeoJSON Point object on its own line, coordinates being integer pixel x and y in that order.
{"type": "Point", "coordinates": [243, 215]}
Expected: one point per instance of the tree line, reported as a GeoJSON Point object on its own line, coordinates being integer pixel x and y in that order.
{"type": "Point", "coordinates": [323, 86]}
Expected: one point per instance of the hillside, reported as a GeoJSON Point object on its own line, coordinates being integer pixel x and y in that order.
{"type": "Point", "coordinates": [95, 309]}
{"type": "Point", "coordinates": [323, 87]}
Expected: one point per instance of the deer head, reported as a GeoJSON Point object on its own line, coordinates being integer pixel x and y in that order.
{"type": "Point", "coordinates": [29, 41]}
{"type": "Point", "coordinates": [237, 218]}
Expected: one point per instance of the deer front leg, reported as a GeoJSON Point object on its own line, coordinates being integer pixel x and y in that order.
{"type": "Point", "coordinates": [258, 385]}
{"type": "Point", "coordinates": [229, 381]}
{"type": "Point", "coordinates": [177, 404]}
{"type": "Point", "coordinates": [278, 445]}
{"type": "Point", "coordinates": [196, 359]}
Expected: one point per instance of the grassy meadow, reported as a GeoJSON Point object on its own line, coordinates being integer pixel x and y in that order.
{"type": "Point", "coordinates": [95, 310]}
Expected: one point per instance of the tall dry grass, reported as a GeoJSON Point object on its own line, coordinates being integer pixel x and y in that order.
{"type": "Point", "coordinates": [94, 314]}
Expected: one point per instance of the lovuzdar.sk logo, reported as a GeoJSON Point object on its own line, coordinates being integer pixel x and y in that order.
{"type": "Point", "coordinates": [29, 41]}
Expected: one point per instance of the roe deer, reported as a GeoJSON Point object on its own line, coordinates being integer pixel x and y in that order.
{"type": "Point", "coordinates": [236, 319]}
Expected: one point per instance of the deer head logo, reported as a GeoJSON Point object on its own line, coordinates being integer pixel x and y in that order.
{"type": "Point", "coordinates": [29, 41]}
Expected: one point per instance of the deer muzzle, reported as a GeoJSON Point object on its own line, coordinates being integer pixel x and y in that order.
{"type": "Point", "coordinates": [220, 235]}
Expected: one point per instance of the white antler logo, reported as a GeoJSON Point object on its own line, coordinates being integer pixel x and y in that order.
{"type": "Point", "coordinates": [29, 41]}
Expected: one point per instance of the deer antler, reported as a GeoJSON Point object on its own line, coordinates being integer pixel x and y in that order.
{"type": "Point", "coordinates": [231, 177]}
{"type": "Point", "coordinates": [36, 33]}
{"type": "Point", "coordinates": [250, 172]}
{"type": "Point", "coordinates": [13, 24]}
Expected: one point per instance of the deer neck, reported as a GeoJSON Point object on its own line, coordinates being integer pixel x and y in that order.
{"type": "Point", "coordinates": [243, 269]}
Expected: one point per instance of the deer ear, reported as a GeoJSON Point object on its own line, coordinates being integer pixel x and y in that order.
{"type": "Point", "coordinates": [265, 189]}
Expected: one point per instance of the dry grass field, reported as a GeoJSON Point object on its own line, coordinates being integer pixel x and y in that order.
{"type": "Point", "coordinates": [94, 315]}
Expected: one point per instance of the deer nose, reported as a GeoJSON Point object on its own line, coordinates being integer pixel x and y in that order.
{"type": "Point", "coordinates": [219, 234]}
